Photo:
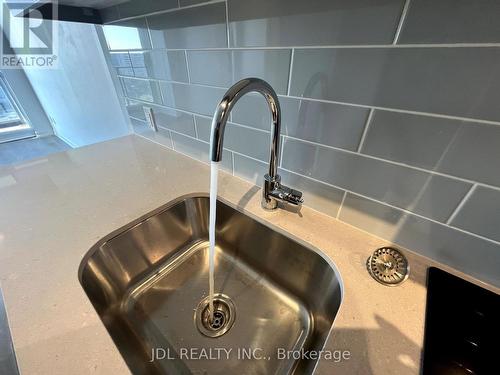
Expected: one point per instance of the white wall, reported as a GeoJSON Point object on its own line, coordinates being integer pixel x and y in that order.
{"type": "Point", "coordinates": [78, 96]}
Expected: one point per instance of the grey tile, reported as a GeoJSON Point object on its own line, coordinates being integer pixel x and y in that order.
{"type": "Point", "coordinates": [203, 125]}
{"type": "Point", "coordinates": [210, 67]}
{"type": "Point", "coordinates": [481, 213]}
{"type": "Point", "coordinates": [120, 59]}
{"type": "Point", "coordinates": [127, 72]}
{"type": "Point", "coordinates": [452, 21]}
{"type": "Point", "coordinates": [184, 3]}
{"type": "Point", "coordinates": [271, 66]}
{"type": "Point", "coordinates": [416, 140]}
{"type": "Point", "coordinates": [197, 99]}
{"type": "Point", "coordinates": [432, 196]}
{"type": "Point", "coordinates": [460, 148]}
{"type": "Point", "coordinates": [136, 8]}
{"type": "Point", "coordinates": [474, 153]}
{"type": "Point", "coordinates": [162, 136]}
{"type": "Point", "coordinates": [454, 81]}
{"type": "Point", "coordinates": [174, 120]}
{"type": "Point", "coordinates": [198, 27]}
{"type": "Point", "coordinates": [166, 118]}
{"type": "Point", "coordinates": [323, 22]}
{"type": "Point", "coordinates": [456, 249]}
{"type": "Point", "coordinates": [160, 64]}
{"type": "Point", "coordinates": [136, 110]}
{"type": "Point", "coordinates": [224, 68]}
{"type": "Point", "coordinates": [254, 143]}
{"type": "Point", "coordinates": [199, 150]}
{"type": "Point", "coordinates": [132, 34]}
{"type": "Point", "coordinates": [317, 195]}
{"type": "Point", "coordinates": [142, 89]}
{"type": "Point", "coordinates": [140, 72]}
{"type": "Point", "coordinates": [326, 123]}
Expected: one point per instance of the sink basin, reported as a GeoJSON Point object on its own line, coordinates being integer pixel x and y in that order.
{"type": "Point", "coordinates": [147, 280]}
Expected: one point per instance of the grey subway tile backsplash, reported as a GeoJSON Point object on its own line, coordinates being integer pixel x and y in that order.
{"type": "Point", "coordinates": [321, 197]}
{"type": "Point", "coordinates": [459, 250]}
{"type": "Point", "coordinates": [408, 133]}
{"type": "Point", "coordinates": [136, 110]}
{"type": "Point", "coordinates": [168, 118]}
{"type": "Point", "coordinates": [326, 123]}
{"type": "Point", "coordinates": [247, 141]}
{"type": "Point", "coordinates": [136, 8]}
{"type": "Point", "coordinates": [474, 153]}
{"type": "Point", "coordinates": [162, 136]}
{"type": "Point", "coordinates": [120, 59]}
{"type": "Point", "coordinates": [429, 195]}
{"type": "Point", "coordinates": [452, 21]}
{"type": "Point", "coordinates": [452, 81]}
{"type": "Point", "coordinates": [323, 22]}
{"type": "Point", "coordinates": [196, 99]}
{"type": "Point", "coordinates": [199, 150]}
{"type": "Point", "coordinates": [224, 68]}
{"type": "Point", "coordinates": [464, 149]}
{"type": "Point", "coordinates": [161, 64]}
{"type": "Point", "coordinates": [184, 3]}
{"type": "Point", "coordinates": [417, 140]}
{"type": "Point", "coordinates": [142, 89]}
{"type": "Point", "coordinates": [211, 67]}
{"type": "Point", "coordinates": [197, 27]}
{"type": "Point", "coordinates": [480, 214]}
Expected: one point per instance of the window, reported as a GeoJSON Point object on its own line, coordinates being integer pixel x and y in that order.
{"type": "Point", "coordinates": [13, 124]}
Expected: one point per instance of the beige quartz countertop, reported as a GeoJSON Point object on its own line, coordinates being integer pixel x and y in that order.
{"type": "Point", "coordinates": [52, 210]}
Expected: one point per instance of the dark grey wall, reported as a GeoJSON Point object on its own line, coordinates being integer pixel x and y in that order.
{"type": "Point", "coordinates": [390, 108]}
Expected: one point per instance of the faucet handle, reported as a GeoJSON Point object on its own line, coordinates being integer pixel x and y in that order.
{"type": "Point", "coordinates": [286, 194]}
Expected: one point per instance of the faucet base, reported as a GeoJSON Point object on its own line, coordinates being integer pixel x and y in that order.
{"type": "Point", "coordinates": [270, 205]}
{"type": "Point", "coordinates": [270, 184]}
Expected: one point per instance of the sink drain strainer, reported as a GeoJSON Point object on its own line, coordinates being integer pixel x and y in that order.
{"type": "Point", "coordinates": [224, 315]}
{"type": "Point", "coordinates": [388, 266]}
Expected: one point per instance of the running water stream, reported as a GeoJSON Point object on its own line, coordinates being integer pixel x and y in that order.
{"type": "Point", "coordinates": [214, 170]}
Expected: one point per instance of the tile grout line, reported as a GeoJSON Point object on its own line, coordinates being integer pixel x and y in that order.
{"type": "Point", "coordinates": [227, 22]}
{"type": "Point", "coordinates": [195, 127]}
{"type": "Point", "coordinates": [337, 46]}
{"type": "Point", "coordinates": [164, 11]}
{"type": "Point", "coordinates": [461, 204]}
{"type": "Point", "coordinates": [392, 162]}
{"type": "Point", "coordinates": [365, 130]}
{"type": "Point", "coordinates": [411, 112]}
{"type": "Point", "coordinates": [187, 66]}
{"type": "Point", "coordinates": [282, 140]}
{"type": "Point", "coordinates": [290, 72]}
{"type": "Point", "coordinates": [402, 20]}
{"type": "Point", "coordinates": [341, 205]}
{"type": "Point", "coordinates": [150, 40]}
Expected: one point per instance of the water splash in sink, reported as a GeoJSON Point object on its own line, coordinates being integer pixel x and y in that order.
{"type": "Point", "coordinates": [214, 170]}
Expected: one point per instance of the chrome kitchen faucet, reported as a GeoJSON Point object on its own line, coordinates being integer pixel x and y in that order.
{"type": "Point", "coordinates": [273, 191]}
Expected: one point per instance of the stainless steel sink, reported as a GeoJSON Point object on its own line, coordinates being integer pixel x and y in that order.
{"type": "Point", "coordinates": [148, 281]}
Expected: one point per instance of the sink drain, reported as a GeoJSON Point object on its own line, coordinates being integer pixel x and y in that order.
{"type": "Point", "coordinates": [388, 266]}
{"type": "Point", "coordinates": [224, 315]}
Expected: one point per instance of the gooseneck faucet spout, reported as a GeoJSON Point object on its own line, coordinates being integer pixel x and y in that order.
{"type": "Point", "coordinates": [273, 191]}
